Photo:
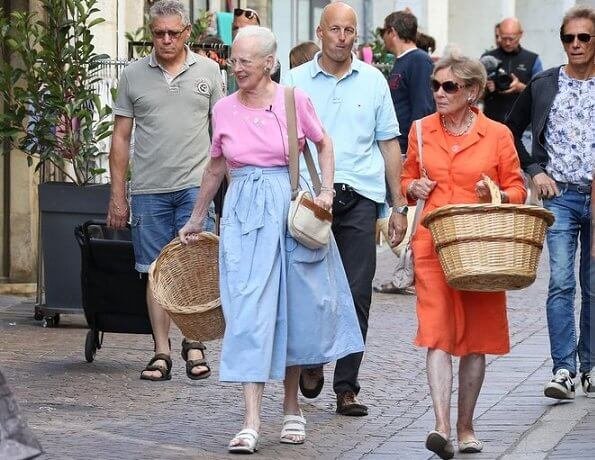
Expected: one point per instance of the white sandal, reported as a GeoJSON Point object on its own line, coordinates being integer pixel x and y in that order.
{"type": "Point", "coordinates": [249, 437]}
{"type": "Point", "coordinates": [293, 425]}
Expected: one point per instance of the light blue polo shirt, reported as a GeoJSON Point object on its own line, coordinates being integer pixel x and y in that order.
{"type": "Point", "coordinates": [356, 111]}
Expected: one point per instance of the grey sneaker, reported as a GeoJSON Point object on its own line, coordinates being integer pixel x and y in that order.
{"type": "Point", "coordinates": [588, 384]}
{"type": "Point", "coordinates": [561, 386]}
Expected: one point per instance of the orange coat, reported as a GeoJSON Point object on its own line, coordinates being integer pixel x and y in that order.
{"type": "Point", "coordinates": [459, 322]}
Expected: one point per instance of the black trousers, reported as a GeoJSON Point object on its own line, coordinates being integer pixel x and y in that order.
{"type": "Point", "coordinates": [354, 232]}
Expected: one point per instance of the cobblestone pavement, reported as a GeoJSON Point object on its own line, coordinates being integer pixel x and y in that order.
{"type": "Point", "coordinates": [102, 410]}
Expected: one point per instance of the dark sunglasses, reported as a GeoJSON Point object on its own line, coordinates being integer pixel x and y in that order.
{"type": "Point", "coordinates": [569, 38]}
{"type": "Point", "coordinates": [248, 14]}
{"type": "Point", "coordinates": [175, 34]}
{"type": "Point", "coordinates": [449, 86]}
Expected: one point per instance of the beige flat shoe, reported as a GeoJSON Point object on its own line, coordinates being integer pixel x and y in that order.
{"type": "Point", "coordinates": [440, 445]}
{"type": "Point", "coordinates": [472, 446]}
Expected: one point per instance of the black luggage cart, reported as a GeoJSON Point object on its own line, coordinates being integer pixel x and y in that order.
{"type": "Point", "coordinates": [114, 293]}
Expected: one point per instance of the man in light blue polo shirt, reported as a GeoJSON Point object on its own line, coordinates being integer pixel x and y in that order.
{"type": "Point", "coordinates": [354, 104]}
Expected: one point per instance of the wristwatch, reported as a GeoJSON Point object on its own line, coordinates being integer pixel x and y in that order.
{"type": "Point", "coordinates": [401, 209]}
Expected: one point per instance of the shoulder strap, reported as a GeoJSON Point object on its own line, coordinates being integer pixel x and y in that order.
{"type": "Point", "coordinates": [420, 151]}
{"type": "Point", "coordinates": [294, 166]}
{"type": "Point", "coordinates": [420, 146]}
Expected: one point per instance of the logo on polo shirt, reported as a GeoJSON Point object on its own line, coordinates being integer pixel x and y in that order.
{"type": "Point", "coordinates": [201, 86]}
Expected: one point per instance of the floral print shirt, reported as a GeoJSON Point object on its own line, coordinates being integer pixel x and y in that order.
{"type": "Point", "coordinates": [570, 131]}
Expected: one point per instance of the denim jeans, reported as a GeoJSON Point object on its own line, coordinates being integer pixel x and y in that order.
{"type": "Point", "coordinates": [571, 229]}
{"type": "Point", "coordinates": [155, 220]}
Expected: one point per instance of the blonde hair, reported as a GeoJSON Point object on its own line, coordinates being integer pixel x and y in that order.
{"type": "Point", "coordinates": [470, 71]}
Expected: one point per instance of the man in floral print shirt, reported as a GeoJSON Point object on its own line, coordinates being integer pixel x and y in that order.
{"type": "Point", "coordinates": [560, 105]}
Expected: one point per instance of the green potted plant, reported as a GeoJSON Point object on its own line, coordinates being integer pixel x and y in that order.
{"type": "Point", "coordinates": [53, 115]}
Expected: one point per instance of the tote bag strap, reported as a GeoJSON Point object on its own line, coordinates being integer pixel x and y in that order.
{"type": "Point", "coordinates": [294, 159]}
{"type": "Point", "coordinates": [422, 172]}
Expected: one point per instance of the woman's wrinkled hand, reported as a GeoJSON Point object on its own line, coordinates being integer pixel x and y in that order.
{"type": "Point", "coordinates": [420, 189]}
{"type": "Point", "coordinates": [324, 200]}
{"type": "Point", "coordinates": [483, 191]}
{"type": "Point", "coordinates": [189, 232]}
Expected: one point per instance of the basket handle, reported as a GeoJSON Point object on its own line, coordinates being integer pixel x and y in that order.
{"type": "Point", "coordinates": [494, 189]}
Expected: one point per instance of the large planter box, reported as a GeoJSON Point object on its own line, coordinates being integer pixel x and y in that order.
{"type": "Point", "coordinates": [63, 206]}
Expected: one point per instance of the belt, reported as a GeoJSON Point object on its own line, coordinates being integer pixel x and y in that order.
{"type": "Point", "coordinates": [580, 188]}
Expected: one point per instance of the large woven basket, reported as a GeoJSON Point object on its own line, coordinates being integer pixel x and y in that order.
{"type": "Point", "coordinates": [185, 281]}
{"type": "Point", "coordinates": [489, 247]}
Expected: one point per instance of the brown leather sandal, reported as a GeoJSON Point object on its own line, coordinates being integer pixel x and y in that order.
{"type": "Point", "coordinates": [192, 363]}
{"type": "Point", "coordinates": [165, 371]}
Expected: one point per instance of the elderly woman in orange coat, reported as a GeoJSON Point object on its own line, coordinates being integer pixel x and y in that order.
{"type": "Point", "coordinates": [460, 145]}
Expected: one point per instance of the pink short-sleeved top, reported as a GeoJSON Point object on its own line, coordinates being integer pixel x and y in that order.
{"type": "Point", "coordinates": [258, 137]}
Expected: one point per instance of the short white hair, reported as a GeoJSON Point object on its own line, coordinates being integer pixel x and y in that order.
{"type": "Point", "coordinates": [266, 38]}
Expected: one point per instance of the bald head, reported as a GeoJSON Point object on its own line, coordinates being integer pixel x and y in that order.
{"type": "Point", "coordinates": [511, 26]}
{"type": "Point", "coordinates": [337, 11]}
{"type": "Point", "coordinates": [510, 31]}
{"type": "Point", "coordinates": [337, 32]}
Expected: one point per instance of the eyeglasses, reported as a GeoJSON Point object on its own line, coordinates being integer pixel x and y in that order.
{"type": "Point", "coordinates": [509, 38]}
{"type": "Point", "coordinates": [248, 14]}
{"type": "Point", "coordinates": [243, 63]}
{"type": "Point", "coordinates": [174, 34]}
{"type": "Point", "coordinates": [569, 38]}
{"type": "Point", "coordinates": [449, 86]}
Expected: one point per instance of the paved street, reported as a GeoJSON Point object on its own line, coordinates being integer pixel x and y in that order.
{"type": "Point", "coordinates": [102, 410]}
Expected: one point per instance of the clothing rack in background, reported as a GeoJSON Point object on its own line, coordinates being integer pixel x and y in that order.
{"type": "Point", "coordinates": [221, 49]}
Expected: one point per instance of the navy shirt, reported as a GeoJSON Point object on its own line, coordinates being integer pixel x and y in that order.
{"type": "Point", "coordinates": [409, 83]}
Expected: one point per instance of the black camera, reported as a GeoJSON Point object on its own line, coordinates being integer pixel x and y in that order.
{"type": "Point", "coordinates": [496, 73]}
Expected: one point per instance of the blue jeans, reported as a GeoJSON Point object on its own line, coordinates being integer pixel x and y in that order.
{"type": "Point", "coordinates": [155, 221]}
{"type": "Point", "coordinates": [573, 214]}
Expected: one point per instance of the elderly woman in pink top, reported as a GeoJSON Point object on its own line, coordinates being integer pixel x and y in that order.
{"type": "Point", "coordinates": [285, 305]}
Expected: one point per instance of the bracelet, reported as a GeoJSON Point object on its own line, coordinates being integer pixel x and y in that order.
{"type": "Point", "coordinates": [328, 189]}
{"type": "Point", "coordinates": [118, 208]}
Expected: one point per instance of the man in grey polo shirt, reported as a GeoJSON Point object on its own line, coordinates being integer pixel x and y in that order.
{"type": "Point", "coordinates": [168, 96]}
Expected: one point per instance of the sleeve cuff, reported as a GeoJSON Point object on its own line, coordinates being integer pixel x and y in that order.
{"type": "Point", "coordinates": [123, 113]}
{"type": "Point", "coordinates": [534, 169]}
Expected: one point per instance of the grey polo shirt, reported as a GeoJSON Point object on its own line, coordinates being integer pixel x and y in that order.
{"type": "Point", "coordinates": [171, 135]}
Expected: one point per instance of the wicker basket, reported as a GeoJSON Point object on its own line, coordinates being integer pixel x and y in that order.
{"type": "Point", "coordinates": [489, 247]}
{"type": "Point", "coordinates": [185, 281]}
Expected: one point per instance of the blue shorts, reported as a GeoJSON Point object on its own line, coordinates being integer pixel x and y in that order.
{"type": "Point", "coordinates": [155, 221]}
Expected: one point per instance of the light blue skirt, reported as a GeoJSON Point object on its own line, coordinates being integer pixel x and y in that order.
{"type": "Point", "coordinates": [284, 304]}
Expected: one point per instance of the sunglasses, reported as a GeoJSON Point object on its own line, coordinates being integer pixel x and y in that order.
{"type": "Point", "coordinates": [175, 34]}
{"type": "Point", "coordinates": [569, 38]}
{"type": "Point", "coordinates": [449, 86]}
{"type": "Point", "coordinates": [248, 14]}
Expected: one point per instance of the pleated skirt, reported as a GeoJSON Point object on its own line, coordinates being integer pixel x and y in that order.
{"type": "Point", "coordinates": [284, 304]}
